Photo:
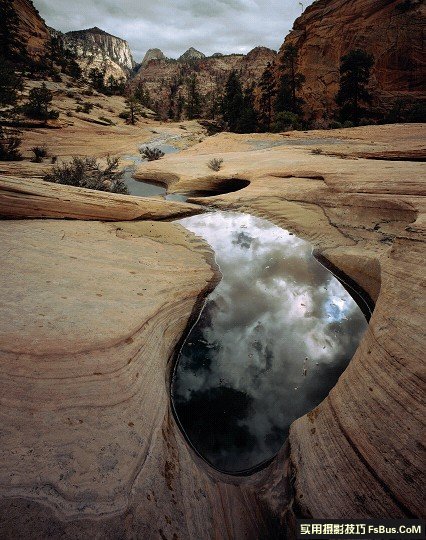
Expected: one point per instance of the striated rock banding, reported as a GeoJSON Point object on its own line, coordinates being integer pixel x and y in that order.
{"type": "Point", "coordinates": [90, 446]}
{"type": "Point", "coordinates": [390, 30]}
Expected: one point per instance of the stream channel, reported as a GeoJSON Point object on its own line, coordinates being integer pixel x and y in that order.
{"type": "Point", "coordinates": [268, 346]}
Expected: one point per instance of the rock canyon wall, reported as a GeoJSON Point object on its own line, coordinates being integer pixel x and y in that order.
{"type": "Point", "coordinates": [392, 31]}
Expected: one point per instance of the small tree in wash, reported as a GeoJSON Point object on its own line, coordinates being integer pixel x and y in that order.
{"type": "Point", "coordinates": [133, 109]}
{"type": "Point", "coordinates": [38, 105]}
{"type": "Point", "coordinates": [353, 94]}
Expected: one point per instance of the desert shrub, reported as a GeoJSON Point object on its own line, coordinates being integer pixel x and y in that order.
{"type": "Point", "coordinates": [69, 113]}
{"type": "Point", "coordinates": [86, 172]}
{"type": "Point", "coordinates": [124, 115]}
{"type": "Point", "coordinates": [151, 154]}
{"type": "Point", "coordinates": [334, 124]}
{"type": "Point", "coordinates": [88, 92]}
{"type": "Point", "coordinates": [40, 152]}
{"type": "Point", "coordinates": [107, 120]}
{"type": "Point", "coordinates": [10, 141]}
{"type": "Point", "coordinates": [348, 124]}
{"type": "Point", "coordinates": [85, 108]}
{"type": "Point", "coordinates": [53, 159]}
{"type": "Point", "coordinates": [215, 164]}
{"type": "Point", "coordinates": [316, 151]}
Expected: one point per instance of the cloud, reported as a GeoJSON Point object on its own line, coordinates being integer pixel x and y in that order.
{"type": "Point", "coordinates": [275, 313]}
{"type": "Point", "coordinates": [224, 26]}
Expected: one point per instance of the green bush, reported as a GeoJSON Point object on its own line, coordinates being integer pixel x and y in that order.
{"type": "Point", "coordinates": [86, 172]}
{"type": "Point", "coordinates": [334, 124]}
{"type": "Point", "coordinates": [151, 154]}
{"type": "Point", "coordinates": [286, 121]}
{"type": "Point", "coordinates": [348, 124]}
{"type": "Point", "coordinates": [40, 152]}
{"type": "Point", "coordinates": [10, 141]}
{"type": "Point", "coordinates": [85, 108]}
{"type": "Point", "coordinates": [107, 120]}
{"type": "Point", "coordinates": [215, 164]}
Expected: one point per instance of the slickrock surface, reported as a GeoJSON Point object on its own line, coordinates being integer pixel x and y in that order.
{"type": "Point", "coordinates": [359, 454]}
{"type": "Point", "coordinates": [28, 198]}
{"type": "Point", "coordinates": [92, 313]}
{"type": "Point", "coordinates": [391, 30]}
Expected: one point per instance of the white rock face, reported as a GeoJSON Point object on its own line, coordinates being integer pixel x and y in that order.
{"type": "Point", "coordinates": [98, 49]}
{"type": "Point", "coordinates": [191, 54]}
{"type": "Point", "coordinates": [152, 54]}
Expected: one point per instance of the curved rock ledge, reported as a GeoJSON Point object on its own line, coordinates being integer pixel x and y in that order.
{"type": "Point", "coordinates": [29, 198]}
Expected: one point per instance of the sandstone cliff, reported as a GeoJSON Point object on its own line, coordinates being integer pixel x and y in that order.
{"type": "Point", "coordinates": [98, 49]}
{"type": "Point", "coordinates": [212, 72]}
{"type": "Point", "coordinates": [33, 32]}
{"type": "Point", "coordinates": [391, 30]}
{"type": "Point", "coordinates": [191, 54]}
{"type": "Point", "coordinates": [152, 54]}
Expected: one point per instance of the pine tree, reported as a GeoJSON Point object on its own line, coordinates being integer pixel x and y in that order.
{"type": "Point", "coordinates": [290, 83]}
{"type": "Point", "coordinates": [10, 84]}
{"type": "Point", "coordinates": [39, 100]}
{"type": "Point", "coordinates": [355, 68]}
{"type": "Point", "coordinates": [248, 120]}
{"type": "Point", "coordinates": [97, 79]}
{"type": "Point", "coordinates": [11, 46]}
{"type": "Point", "coordinates": [268, 92]}
{"type": "Point", "coordinates": [133, 109]}
{"type": "Point", "coordinates": [180, 106]}
{"type": "Point", "coordinates": [193, 105]}
{"type": "Point", "coordinates": [233, 102]}
{"type": "Point", "coordinates": [141, 93]}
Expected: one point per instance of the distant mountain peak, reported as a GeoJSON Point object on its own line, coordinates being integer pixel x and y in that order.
{"type": "Point", "coordinates": [152, 54]}
{"type": "Point", "coordinates": [191, 54]}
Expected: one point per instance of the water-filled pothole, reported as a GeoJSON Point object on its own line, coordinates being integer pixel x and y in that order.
{"type": "Point", "coordinates": [270, 343]}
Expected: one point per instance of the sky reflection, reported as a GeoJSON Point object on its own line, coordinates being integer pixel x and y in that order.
{"type": "Point", "coordinates": [271, 342]}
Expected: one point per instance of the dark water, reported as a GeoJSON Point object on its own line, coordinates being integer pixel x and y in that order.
{"type": "Point", "coordinates": [271, 342]}
{"type": "Point", "coordinates": [141, 188]}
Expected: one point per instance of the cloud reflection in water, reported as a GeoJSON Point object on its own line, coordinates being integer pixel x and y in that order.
{"type": "Point", "coordinates": [271, 342]}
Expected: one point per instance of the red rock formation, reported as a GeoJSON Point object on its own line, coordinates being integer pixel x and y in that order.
{"type": "Point", "coordinates": [391, 30]}
{"type": "Point", "coordinates": [32, 29]}
{"type": "Point", "coordinates": [212, 72]}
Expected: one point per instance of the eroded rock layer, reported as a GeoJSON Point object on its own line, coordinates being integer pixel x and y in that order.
{"type": "Point", "coordinates": [392, 31]}
{"type": "Point", "coordinates": [92, 314]}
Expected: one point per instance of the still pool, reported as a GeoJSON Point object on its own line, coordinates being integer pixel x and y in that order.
{"type": "Point", "coordinates": [270, 343]}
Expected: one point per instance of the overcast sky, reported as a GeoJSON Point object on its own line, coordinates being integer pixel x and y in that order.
{"type": "Point", "coordinates": [175, 25]}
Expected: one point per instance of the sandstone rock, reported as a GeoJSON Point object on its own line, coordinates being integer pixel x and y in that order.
{"type": "Point", "coordinates": [90, 446]}
{"type": "Point", "coordinates": [191, 54]}
{"type": "Point", "coordinates": [95, 48]}
{"type": "Point", "coordinates": [33, 31]}
{"type": "Point", "coordinates": [27, 198]}
{"type": "Point", "coordinates": [212, 73]}
{"type": "Point", "coordinates": [152, 54]}
{"type": "Point", "coordinates": [390, 30]}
